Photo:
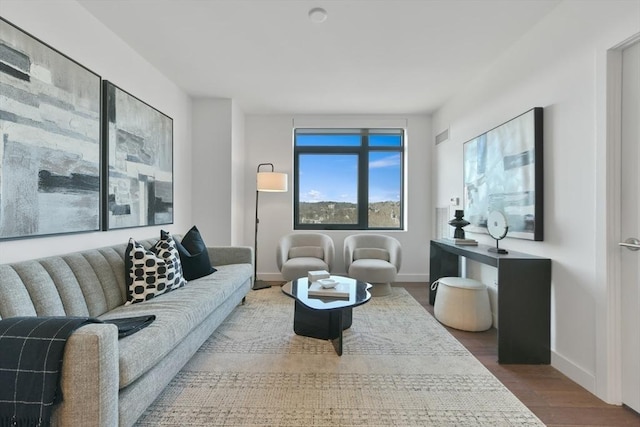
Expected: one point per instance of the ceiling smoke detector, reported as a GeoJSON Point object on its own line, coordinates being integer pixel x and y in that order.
{"type": "Point", "coordinates": [317, 15]}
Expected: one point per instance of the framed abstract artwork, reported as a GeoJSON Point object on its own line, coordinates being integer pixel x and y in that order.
{"type": "Point", "coordinates": [503, 171]}
{"type": "Point", "coordinates": [50, 149]}
{"type": "Point", "coordinates": [138, 142]}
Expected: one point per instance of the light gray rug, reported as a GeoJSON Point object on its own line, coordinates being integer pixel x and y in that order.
{"type": "Point", "coordinates": [400, 367]}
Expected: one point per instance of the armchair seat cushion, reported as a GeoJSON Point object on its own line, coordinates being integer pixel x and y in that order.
{"type": "Point", "coordinates": [373, 270]}
{"type": "Point", "coordinates": [298, 267]}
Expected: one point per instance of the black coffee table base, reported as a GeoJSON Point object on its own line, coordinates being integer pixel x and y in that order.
{"type": "Point", "coordinates": [325, 318]}
{"type": "Point", "coordinates": [322, 324]}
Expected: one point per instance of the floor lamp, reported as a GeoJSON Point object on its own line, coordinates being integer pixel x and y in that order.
{"type": "Point", "coordinates": [273, 182]}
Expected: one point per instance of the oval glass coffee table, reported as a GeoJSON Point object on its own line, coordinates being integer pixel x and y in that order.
{"type": "Point", "coordinates": [326, 316]}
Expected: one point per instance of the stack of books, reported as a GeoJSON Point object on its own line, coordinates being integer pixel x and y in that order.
{"type": "Point", "coordinates": [341, 291]}
{"type": "Point", "coordinates": [463, 242]}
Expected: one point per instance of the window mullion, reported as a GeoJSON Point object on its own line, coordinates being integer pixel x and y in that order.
{"type": "Point", "coordinates": [296, 189]}
{"type": "Point", "coordinates": [363, 181]}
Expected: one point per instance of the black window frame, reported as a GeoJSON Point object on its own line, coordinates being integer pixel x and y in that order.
{"type": "Point", "coordinates": [362, 151]}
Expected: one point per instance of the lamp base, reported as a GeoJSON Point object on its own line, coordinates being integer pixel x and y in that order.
{"type": "Point", "coordinates": [260, 284]}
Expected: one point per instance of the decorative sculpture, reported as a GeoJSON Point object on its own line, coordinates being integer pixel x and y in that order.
{"type": "Point", "coordinates": [458, 223]}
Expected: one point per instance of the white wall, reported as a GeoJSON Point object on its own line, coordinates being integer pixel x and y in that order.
{"type": "Point", "coordinates": [211, 192]}
{"type": "Point", "coordinates": [69, 28]}
{"type": "Point", "coordinates": [238, 153]}
{"type": "Point", "coordinates": [218, 170]}
{"type": "Point", "coordinates": [269, 139]}
{"type": "Point", "coordinates": [553, 66]}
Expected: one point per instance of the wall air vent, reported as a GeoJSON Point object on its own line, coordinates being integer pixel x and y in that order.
{"type": "Point", "coordinates": [442, 136]}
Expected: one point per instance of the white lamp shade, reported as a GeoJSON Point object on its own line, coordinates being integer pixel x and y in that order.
{"type": "Point", "coordinates": [272, 181]}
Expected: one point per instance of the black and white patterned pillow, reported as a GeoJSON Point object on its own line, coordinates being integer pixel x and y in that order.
{"type": "Point", "coordinates": [150, 273]}
{"type": "Point", "coordinates": [166, 249]}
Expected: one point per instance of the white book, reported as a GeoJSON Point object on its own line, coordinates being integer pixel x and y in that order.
{"type": "Point", "coordinates": [458, 241]}
{"type": "Point", "coordinates": [467, 243]}
{"type": "Point", "coordinates": [314, 276]}
{"type": "Point", "coordinates": [341, 290]}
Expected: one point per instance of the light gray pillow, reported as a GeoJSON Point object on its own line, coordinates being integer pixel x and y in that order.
{"type": "Point", "coordinates": [306, 251]}
{"type": "Point", "coordinates": [370, 253]}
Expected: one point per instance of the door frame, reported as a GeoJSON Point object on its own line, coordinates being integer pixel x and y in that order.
{"type": "Point", "coordinates": [608, 375]}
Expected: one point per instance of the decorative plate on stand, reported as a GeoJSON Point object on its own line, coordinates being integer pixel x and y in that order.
{"type": "Point", "coordinates": [497, 227]}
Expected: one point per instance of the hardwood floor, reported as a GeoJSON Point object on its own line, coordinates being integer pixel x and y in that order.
{"type": "Point", "coordinates": [549, 394]}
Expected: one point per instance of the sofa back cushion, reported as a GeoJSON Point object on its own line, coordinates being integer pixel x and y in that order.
{"type": "Point", "coordinates": [87, 283]}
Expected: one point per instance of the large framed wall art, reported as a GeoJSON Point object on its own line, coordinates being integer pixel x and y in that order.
{"type": "Point", "coordinates": [50, 148]}
{"type": "Point", "coordinates": [138, 161]}
{"type": "Point", "coordinates": [503, 170]}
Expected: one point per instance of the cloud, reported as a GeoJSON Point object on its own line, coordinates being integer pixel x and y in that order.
{"type": "Point", "coordinates": [389, 161]}
{"type": "Point", "coordinates": [313, 196]}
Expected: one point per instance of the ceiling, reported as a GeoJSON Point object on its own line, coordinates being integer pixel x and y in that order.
{"type": "Point", "coordinates": [368, 57]}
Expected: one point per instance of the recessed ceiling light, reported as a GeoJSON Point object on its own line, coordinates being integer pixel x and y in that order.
{"type": "Point", "coordinates": [317, 15]}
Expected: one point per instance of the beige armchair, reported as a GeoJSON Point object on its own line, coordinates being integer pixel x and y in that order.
{"type": "Point", "coordinates": [373, 258]}
{"type": "Point", "coordinates": [299, 253]}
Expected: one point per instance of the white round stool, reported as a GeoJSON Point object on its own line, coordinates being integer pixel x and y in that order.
{"type": "Point", "coordinates": [462, 304]}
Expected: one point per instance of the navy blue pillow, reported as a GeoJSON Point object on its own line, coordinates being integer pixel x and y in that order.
{"type": "Point", "coordinates": [194, 256]}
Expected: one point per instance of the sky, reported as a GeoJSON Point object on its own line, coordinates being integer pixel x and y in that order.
{"type": "Point", "coordinates": [334, 177]}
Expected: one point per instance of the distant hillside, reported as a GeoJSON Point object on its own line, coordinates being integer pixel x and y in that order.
{"type": "Point", "coordinates": [381, 214]}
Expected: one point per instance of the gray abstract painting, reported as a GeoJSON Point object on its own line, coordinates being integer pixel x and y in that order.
{"type": "Point", "coordinates": [50, 150]}
{"type": "Point", "coordinates": [140, 161]}
{"type": "Point", "coordinates": [503, 171]}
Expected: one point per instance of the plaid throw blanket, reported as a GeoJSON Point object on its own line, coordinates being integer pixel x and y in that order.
{"type": "Point", "coordinates": [130, 325]}
{"type": "Point", "coordinates": [31, 350]}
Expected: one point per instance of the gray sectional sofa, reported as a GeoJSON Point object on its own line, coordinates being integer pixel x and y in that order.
{"type": "Point", "coordinates": [110, 382]}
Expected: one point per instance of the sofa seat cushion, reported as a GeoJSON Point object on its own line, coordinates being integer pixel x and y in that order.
{"type": "Point", "coordinates": [177, 313]}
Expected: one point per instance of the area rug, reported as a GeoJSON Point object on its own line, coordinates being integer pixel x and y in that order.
{"type": "Point", "coordinates": [400, 367]}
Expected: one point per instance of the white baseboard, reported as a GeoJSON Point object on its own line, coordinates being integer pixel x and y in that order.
{"type": "Point", "coordinates": [574, 372]}
{"type": "Point", "coordinates": [424, 278]}
{"type": "Point", "coordinates": [270, 277]}
{"type": "Point", "coordinates": [277, 277]}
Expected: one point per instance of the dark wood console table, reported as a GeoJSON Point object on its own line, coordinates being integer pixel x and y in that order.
{"type": "Point", "coordinates": [524, 297]}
